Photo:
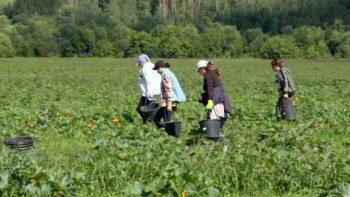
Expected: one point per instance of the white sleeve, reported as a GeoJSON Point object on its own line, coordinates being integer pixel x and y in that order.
{"type": "Point", "coordinates": [148, 77]}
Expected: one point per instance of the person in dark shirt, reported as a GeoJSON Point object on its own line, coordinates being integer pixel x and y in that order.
{"type": "Point", "coordinates": [214, 98]}
{"type": "Point", "coordinates": [285, 87]}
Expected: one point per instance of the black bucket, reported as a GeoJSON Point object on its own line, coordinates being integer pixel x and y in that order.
{"type": "Point", "coordinates": [20, 143]}
{"type": "Point", "coordinates": [173, 128]}
{"type": "Point", "coordinates": [150, 110]}
{"type": "Point", "coordinates": [289, 113]}
{"type": "Point", "coordinates": [210, 128]}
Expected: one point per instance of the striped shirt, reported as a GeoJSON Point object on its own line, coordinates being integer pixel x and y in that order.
{"type": "Point", "coordinates": [166, 91]}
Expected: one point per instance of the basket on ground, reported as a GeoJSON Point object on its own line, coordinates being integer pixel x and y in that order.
{"type": "Point", "coordinates": [20, 143]}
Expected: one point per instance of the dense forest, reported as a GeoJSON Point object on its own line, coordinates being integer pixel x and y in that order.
{"type": "Point", "coordinates": [175, 28]}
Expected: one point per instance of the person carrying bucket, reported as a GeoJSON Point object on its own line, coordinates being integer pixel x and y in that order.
{"type": "Point", "coordinates": [149, 84]}
{"type": "Point", "coordinates": [171, 93]}
{"type": "Point", "coordinates": [285, 87]}
{"type": "Point", "coordinates": [214, 98]}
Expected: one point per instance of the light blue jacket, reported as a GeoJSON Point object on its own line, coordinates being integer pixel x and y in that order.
{"type": "Point", "coordinates": [177, 94]}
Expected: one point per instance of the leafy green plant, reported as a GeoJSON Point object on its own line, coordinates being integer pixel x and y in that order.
{"type": "Point", "coordinates": [90, 141]}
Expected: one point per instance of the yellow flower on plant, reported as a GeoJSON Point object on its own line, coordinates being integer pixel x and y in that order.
{"type": "Point", "coordinates": [263, 164]}
{"type": "Point", "coordinates": [60, 192]}
{"type": "Point", "coordinates": [67, 121]}
{"type": "Point", "coordinates": [316, 126]}
{"type": "Point", "coordinates": [115, 120]}
{"type": "Point", "coordinates": [296, 99]}
{"type": "Point", "coordinates": [82, 134]}
{"type": "Point", "coordinates": [32, 180]}
{"type": "Point", "coordinates": [184, 193]}
{"type": "Point", "coordinates": [31, 124]}
{"type": "Point", "coordinates": [247, 138]}
{"type": "Point", "coordinates": [90, 124]}
{"type": "Point", "coordinates": [307, 143]}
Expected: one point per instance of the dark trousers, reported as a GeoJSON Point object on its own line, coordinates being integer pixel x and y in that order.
{"type": "Point", "coordinates": [143, 102]}
{"type": "Point", "coordinates": [283, 102]}
{"type": "Point", "coordinates": [163, 113]}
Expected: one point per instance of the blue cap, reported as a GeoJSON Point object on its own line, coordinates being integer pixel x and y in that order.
{"type": "Point", "coordinates": [142, 58]}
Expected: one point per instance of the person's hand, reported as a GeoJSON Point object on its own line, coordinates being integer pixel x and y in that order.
{"type": "Point", "coordinates": [175, 108]}
{"type": "Point", "coordinates": [285, 96]}
{"type": "Point", "coordinates": [169, 108]}
{"type": "Point", "coordinates": [149, 96]}
{"type": "Point", "coordinates": [209, 105]}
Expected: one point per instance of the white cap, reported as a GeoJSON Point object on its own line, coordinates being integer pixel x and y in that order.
{"type": "Point", "coordinates": [201, 64]}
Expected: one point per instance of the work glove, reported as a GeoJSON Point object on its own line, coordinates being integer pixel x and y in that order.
{"type": "Point", "coordinates": [169, 108]}
{"type": "Point", "coordinates": [285, 96]}
{"type": "Point", "coordinates": [209, 105]}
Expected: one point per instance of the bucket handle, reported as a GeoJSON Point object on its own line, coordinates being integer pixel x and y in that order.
{"type": "Point", "coordinates": [146, 101]}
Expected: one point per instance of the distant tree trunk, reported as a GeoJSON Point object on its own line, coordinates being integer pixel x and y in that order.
{"type": "Point", "coordinates": [216, 5]}
{"type": "Point", "coordinates": [191, 4]}
{"type": "Point", "coordinates": [173, 8]}
{"type": "Point", "coordinates": [163, 5]}
{"type": "Point", "coordinates": [166, 6]}
{"type": "Point", "coordinates": [160, 5]}
{"type": "Point", "coordinates": [69, 2]}
{"type": "Point", "coordinates": [183, 6]}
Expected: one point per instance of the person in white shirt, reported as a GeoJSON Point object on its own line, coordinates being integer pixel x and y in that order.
{"type": "Point", "coordinates": [149, 84]}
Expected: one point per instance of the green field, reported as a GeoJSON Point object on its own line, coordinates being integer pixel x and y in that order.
{"type": "Point", "coordinates": [56, 100]}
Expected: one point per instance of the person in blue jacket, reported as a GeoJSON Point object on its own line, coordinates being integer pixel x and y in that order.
{"type": "Point", "coordinates": [171, 93]}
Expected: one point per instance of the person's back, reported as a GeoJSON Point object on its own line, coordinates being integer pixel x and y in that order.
{"type": "Point", "coordinates": [149, 81]}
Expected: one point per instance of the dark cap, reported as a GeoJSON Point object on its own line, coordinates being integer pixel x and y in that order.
{"type": "Point", "coordinates": [158, 64]}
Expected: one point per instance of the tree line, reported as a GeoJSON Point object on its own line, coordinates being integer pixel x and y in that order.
{"type": "Point", "coordinates": [176, 28]}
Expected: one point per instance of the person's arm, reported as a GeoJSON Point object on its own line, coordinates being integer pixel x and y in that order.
{"type": "Point", "coordinates": [285, 77]}
{"type": "Point", "coordinates": [148, 77]}
{"type": "Point", "coordinates": [168, 90]}
{"type": "Point", "coordinates": [209, 83]}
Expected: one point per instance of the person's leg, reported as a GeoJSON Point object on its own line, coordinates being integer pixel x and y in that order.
{"type": "Point", "coordinates": [167, 115]}
{"type": "Point", "coordinates": [158, 116]}
{"type": "Point", "coordinates": [279, 108]}
{"type": "Point", "coordinates": [141, 103]}
{"type": "Point", "coordinates": [217, 111]}
{"type": "Point", "coordinates": [223, 120]}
